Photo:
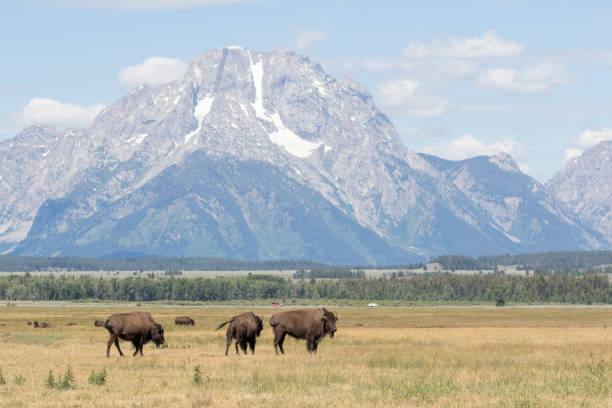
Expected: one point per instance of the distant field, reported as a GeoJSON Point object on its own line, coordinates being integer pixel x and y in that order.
{"type": "Point", "coordinates": [380, 357]}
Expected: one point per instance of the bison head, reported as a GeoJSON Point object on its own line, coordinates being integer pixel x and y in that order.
{"type": "Point", "coordinates": [259, 322]}
{"type": "Point", "coordinates": [329, 320]}
{"type": "Point", "coordinates": [157, 334]}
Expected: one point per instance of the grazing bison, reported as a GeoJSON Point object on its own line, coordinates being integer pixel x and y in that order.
{"type": "Point", "coordinates": [184, 321]}
{"type": "Point", "coordinates": [309, 324]}
{"type": "Point", "coordinates": [137, 327]}
{"type": "Point", "coordinates": [41, 325]}
{"type": "Point", "coordinates": [244, 328]}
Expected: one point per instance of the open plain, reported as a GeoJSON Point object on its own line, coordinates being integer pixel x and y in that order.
{"type": "Point", "coordinates": [380, 357]}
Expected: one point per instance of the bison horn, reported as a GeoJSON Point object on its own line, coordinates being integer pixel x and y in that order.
{"type": "Point", "coordinates": [336, 314]}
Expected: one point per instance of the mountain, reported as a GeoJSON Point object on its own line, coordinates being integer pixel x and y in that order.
{"type": "Point", "coordinates": [584, 187]}
{"type": "Point", "coordinates": [515, 204]}
{"type": "Point", "coordinates": [263, 156]}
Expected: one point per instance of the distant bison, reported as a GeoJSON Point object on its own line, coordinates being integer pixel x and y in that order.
{"type": "Point", "coordinates": [309, 324]}
{"type": "Point", "coordinates": [244, 328]}
{"type": "Point", "coordinates": [41, 325]}
{"type": "Point", "coordinates": [184, 321]}
{"type": "Point", "coordinates": [72, 324]}
{"type": "Point", "coordinates": [99, 323]}
{"type": "Point", "coordinates": [137, 327]}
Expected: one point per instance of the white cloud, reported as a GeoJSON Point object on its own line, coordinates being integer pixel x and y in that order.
{"type": "Point", "coordinates": [590, 138]}
{"type": "Point", "coordinates": [487, 45]}
{"type": "Point", "coordinates": [535, 79]}
{"type": "Point", "coordinates": [409, 97]}
{"type": "Point", "coordinates": [586, 140]}
{"type": "Point", "coordinates": [147, 4]}
{"type": "Point", "coordinates": [153, 71]}
{"type": "Point", "coordinates": [467, 146]}
{"type": "Point", "coordinates": [400, 92]}
{"type": "Point", "coordinates": [431, 70]}
{"type": "Point", "coordinates": [52, 112]}
{"type": "Point", "coordinates": [572, 152]}
{"type": "Point", "coordinates": [307, 38]}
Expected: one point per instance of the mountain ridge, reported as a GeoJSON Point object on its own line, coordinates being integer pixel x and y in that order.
{"type": "Point", "coordinates": [318, 135]}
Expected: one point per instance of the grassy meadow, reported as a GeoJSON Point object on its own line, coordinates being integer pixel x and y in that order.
{"type": "Point", "coordinates": [380, 357]}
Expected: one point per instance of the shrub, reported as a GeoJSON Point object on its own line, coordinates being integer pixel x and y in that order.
{"type": "Point", "coordinates": [19, 379]}
{"type": "Point", "coordinates": [67, 382]}
{"type": "Point", "coordinates": [2, 379]}
{"type": "Point", "coordinates": [197, 376]}
{"type": "Point", "coordinates": [50, 381]}
{"type": "Point", "coordinates": [97, 378]}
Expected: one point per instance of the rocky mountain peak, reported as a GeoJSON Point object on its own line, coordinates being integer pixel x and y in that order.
{"type": "Point", "coordinates": [584, 187]}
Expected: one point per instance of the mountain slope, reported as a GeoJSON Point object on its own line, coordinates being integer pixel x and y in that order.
{"type": "Point", "coordinates": [205, 206]}
{"type": "Point", "coordinates": [515, 204]}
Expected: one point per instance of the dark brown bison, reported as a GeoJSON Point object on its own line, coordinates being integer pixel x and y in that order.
{"type": "Point", "coordinates": [41, 325]}
{"type": "Point", "coordinates": [309, 324]}
{"type": "Point", "coordinates": [184, 321]}
{"type": "Point", "coordinates": [99, 323]}
{"type": "Point", "coordinates": [244, 328]}
{"type": "Point", "coordinates": [137, 327]}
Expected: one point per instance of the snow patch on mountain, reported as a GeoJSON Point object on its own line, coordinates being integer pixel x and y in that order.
{"type": "Point", "coordinates": [283, 136]}
{"type": "Point", "coordinates": [510, 237]}
{"type": "Point", "coordinates": [203, 108]}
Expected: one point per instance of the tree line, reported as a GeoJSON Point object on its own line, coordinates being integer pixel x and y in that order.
{"type": "Point", "coordinates": [565, 261]}
{"type": "Point", "coordinates": [15, 263]}
{"type": "Point", "coordinates": [587, 289]}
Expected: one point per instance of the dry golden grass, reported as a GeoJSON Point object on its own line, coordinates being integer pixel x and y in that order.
{"type": "Point", "coordinates": [386, 357]}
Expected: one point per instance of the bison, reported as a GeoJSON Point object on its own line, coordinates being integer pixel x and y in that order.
{"type": "Point", "coordinates": [184, 321]}
{"type": "Point", "coordinates": [137, 327]}
{"type": "Point", "coordinates": [309, 324]}
{"type": "Point", "coordinates": [41, 325]}
{"type": "Point", "coordinates": [99, 323]}
{"type": "Point", "coordinates": [244, 328]}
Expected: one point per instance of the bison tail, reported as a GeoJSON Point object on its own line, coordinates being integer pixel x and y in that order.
{"type": "Point", "coordinates": [222, 324]}
{"type": "Point", "coordinates": [273, 323]}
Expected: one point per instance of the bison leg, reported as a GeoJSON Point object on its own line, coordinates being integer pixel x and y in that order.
{"type": "Point", "coordinates": [243, 346]}
{"type": "Point", "coordinates": [308, 345]}
{"type": "Point", "coordinates": [114, 339]}
{"type": "Point", "coordinates": [315, 345]}
{"type": "Point", "coordinates": [110, 343]}
{"type": "Point", "coordinates": [138, 344]}
{"type": "Point", "coordinates": [279, 338]}
{"type": "Point", "coordinates": [252, 344]}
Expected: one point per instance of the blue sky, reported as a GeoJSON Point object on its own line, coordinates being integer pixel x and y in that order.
{"type": "Point", "coordinates": [457, 79]}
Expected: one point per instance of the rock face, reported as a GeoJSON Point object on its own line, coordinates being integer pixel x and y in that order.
{"type": "Point", "coordinates": [584, 187]}
{"type": "Point", "coordinates": [261, 156]}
